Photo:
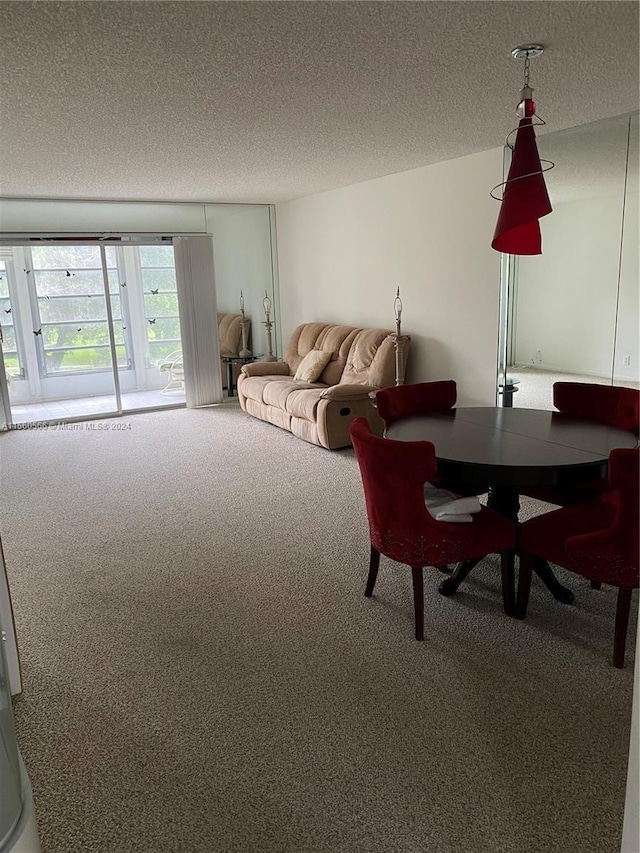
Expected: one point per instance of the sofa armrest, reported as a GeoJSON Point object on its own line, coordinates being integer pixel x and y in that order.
{"type": "Point", "coordinates": [348, 392]}
{"type": "Point", "coordinates": [266, 368]}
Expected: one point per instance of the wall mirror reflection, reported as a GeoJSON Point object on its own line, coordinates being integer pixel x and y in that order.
{"type": "Point", "coordinates": [572, 313]}
{"type": "Point", "coordinates": [247, 301]}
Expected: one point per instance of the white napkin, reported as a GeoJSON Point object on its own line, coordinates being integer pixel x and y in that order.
{"type": "Point", "coordinates": [445, 506]}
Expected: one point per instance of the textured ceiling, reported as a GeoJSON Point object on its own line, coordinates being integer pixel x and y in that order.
{"type": "Point", "coordinates": [267, 101]}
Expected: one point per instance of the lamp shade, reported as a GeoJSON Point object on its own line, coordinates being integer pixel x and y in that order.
{"type": "Point", "coordinates": [525, 199]}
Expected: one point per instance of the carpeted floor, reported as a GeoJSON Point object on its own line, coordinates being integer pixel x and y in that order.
{"type": "Point", "coordinates": [203, 673]}
{"type": "Point", "coordinates": [535, 390]}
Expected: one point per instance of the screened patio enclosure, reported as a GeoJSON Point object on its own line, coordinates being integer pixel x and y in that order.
{"type": "Point", "coordinates": [89, 329]}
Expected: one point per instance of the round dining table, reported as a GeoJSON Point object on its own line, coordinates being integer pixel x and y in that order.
{"type": "Point", "coordinates": [509, 449]}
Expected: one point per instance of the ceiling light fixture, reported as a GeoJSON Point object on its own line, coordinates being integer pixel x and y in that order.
{"type": "Point", "coordinates": [524, 198]}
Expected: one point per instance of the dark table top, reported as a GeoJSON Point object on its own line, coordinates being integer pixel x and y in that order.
{"type": "Point", "coordinates": [514, 446]}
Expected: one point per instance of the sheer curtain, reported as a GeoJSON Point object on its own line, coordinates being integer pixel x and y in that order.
{"type": "Point", "coordinates": [198, 319]}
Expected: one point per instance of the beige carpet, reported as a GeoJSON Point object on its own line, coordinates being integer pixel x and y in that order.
{"type": "Point", "coordinates": [203, 673]}
{"type": "Point", "coordinates": [535, 390]}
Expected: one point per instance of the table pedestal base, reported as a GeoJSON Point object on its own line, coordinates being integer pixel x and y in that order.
{"type": "Point", "coordinates": [544, 571]}
{"type": "Point", "coordinates": [505, 500]}
{"type": "Point", "coordinates": [450, 585]}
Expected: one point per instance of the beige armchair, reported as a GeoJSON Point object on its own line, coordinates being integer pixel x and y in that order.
{"type": "Point", "coordinates": [230, 339]}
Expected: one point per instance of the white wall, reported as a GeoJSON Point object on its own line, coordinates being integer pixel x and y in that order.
{"type": "Point", "coordinates": [567, 297]}
{"type": "Point", "coordinates": [59, 216]}
{"type": "Point", "coordinates": [341, 255]}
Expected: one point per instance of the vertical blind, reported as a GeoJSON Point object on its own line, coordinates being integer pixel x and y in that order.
{"type": "Point", "coordinates": [198, 319]}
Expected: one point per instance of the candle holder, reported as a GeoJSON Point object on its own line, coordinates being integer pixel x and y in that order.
{"type": "Point", "coordinates": [268, 324]}
{"type": "Point", "coordinates": [400, 341]}
{"type": "Point", "coordinates": [245, 351]}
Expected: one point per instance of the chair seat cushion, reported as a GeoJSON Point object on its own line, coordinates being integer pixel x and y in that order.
{"type": "Point", "coordinates": [545, 535]}
{"type": "Point", "coordinates": [442, 542]}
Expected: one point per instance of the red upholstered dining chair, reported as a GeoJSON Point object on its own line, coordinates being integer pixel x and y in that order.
{"type": "Point", "coordinates": [403, 401]}
{"type": "Point", "coordinates": [596, 539]}
{"type": "Point", "coordinates": [400, 526]}
{"type": "Point", "coordinates": [605, 404]}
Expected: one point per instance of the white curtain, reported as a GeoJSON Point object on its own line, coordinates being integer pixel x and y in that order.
{"type": "Point", "coordinates": [198, 319]}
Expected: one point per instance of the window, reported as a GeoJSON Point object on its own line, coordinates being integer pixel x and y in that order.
{"type": "Point", "coordinates": [160, 301]}
{"type": "Point", "coordinates": [58, 302]}
{"type": "Point", "coordinates": [70, 310]}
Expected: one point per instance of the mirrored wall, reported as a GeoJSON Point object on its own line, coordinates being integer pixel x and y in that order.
{"type": "Point", "coordinates": [244, 276]}
{"type": "Point", "coordinates": [572, 313]}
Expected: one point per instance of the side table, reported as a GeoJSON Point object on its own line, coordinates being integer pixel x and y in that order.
{"type": "Point", "coordinates": [508, 390]}
{"type": "Point", "coordinates": [230, 360]}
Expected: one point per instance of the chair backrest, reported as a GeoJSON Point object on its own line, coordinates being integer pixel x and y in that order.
{"type": "Point", "coordinates": [624, 476]}
{"type": "Point", "coordinates": [393, 476]}
{"type": "Point", "coordinates": [613, 551]}
{"type": "Point", "coordinates": [402, 401]}
{"type": "Point", "coordinates": [607, 404]}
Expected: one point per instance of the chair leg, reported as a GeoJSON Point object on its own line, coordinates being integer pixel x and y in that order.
{"type": "Point", "coordinates": [418, 602]}
{"type": "Point", "coordinates": [524, 585]}
{"type": "Point", "coordinates": [374, 563]}
{"type": "Point", "coordinates": [622, 622]}
{"type": "Point", "coordinates": [596, 585]}
{"type": "Point", "coordinates": [507, 562]}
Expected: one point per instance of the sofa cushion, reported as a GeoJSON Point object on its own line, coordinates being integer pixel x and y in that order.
{"type": "Point", "coordinates": [334, 339]}
{"type": "Point", "coordinates": [312, 365]}
{"type": "Point", "coordinates": [304, 429]}
{"type": "Point", "coordinates": [267, 413]}
{"type": "Point", "coordinates": [277, 393]}
{"type": "Point", "coordinates": [252, 387]}
{"type": "Point", "coordinates": [303, 402]}
{"type": "Point", "coordinates": [371, 359]}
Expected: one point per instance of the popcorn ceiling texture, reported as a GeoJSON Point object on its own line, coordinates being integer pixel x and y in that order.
{"type": "Point", "coordinates": [268, 101]}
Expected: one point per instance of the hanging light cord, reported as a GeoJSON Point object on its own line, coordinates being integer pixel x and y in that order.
{"type": "Point", "coordinates": [548, 164]}
{"type": "Point", "coordinates": [527, 66]}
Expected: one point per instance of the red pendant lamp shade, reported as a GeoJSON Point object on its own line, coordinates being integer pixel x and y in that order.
{"type": "Point", "coordinates": [525, 199]}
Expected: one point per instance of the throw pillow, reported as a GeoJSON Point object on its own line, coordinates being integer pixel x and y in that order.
{"type": "Point", "coordinates": [312, 365]}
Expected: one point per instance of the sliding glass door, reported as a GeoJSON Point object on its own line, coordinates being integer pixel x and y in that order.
{"type": "Point", "coordinates": [71, 329]}
{"type": "Point", "coordinates": [89, 330]}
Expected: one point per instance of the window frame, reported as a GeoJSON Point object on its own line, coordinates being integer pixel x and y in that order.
{"type": "Point", "coordinates": [34, 301]}
{"type": "Point", "coordinates": [6, 256]}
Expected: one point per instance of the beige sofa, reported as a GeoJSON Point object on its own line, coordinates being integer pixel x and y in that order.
{"type": "Point", "coordinates": [230, 340]}
{"type": "Point", "coordinates": [362, 361]}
